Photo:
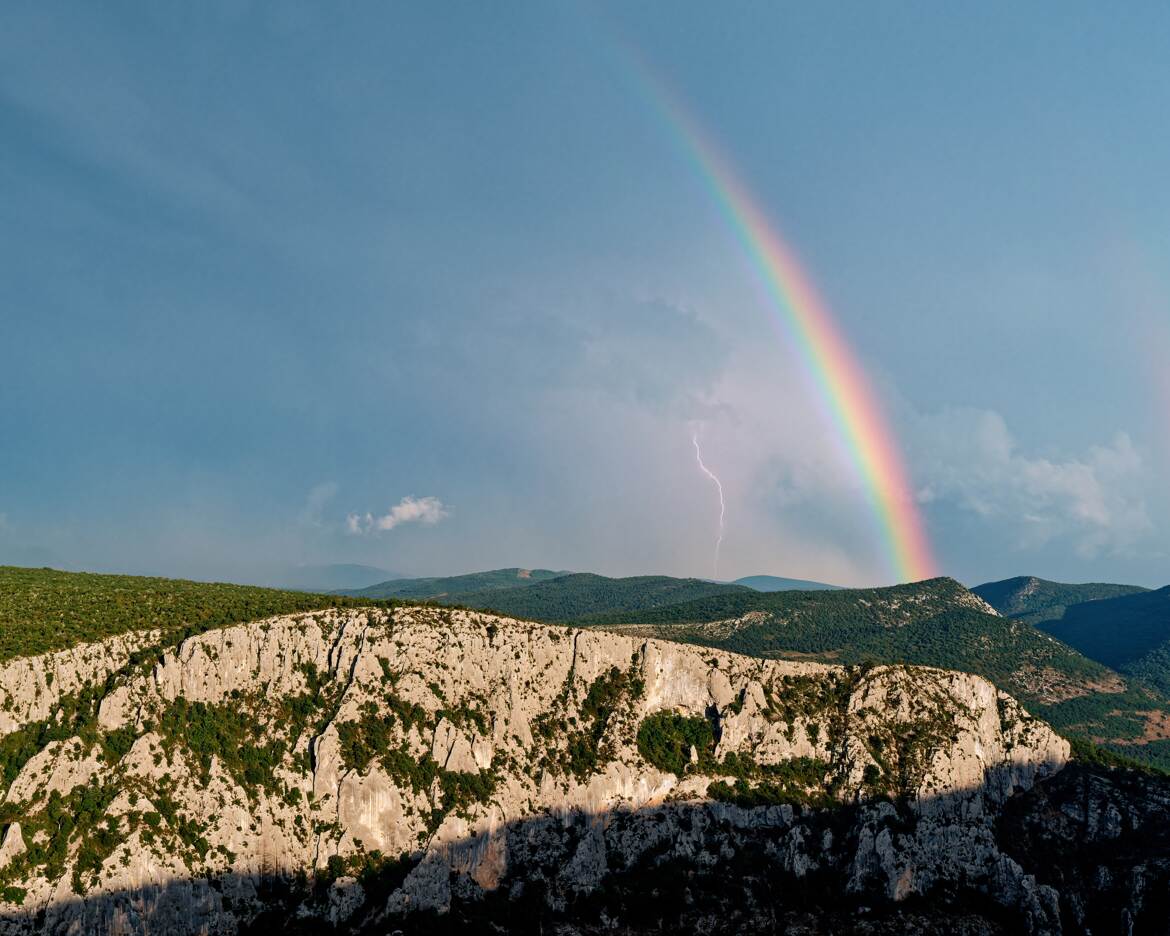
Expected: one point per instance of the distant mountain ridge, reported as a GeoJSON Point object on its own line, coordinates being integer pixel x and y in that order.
{"type": "Point", "coordinates": [447, 587]}
{"type": "Point", "coordinates": [451, 587]}
{"type": "Point", "coordinates": [1116, 631]}
{"type": "Point", "coordinates": [1036, 599]}
{"type": "Point", "coordinates": [583, 596]}
{"type": "Point", "coordinates": [771, 583]}
{"type": "Point", "coordinates": [1126, 627]}
{"type": "Point", "coordinates": [560, 597]}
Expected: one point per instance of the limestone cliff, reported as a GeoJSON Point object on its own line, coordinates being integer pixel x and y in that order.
{"type": "Point", "coordinates": [367, 769]}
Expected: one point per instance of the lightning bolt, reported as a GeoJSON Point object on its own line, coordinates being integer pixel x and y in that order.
{"type": "Point", "coordinates": [722, 506]}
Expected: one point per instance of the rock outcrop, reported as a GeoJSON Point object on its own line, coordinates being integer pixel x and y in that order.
{"type": "Point", "coordinates": [373, 769]}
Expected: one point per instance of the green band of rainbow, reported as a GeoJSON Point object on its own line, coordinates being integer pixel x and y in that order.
{"type": "Point", "coordinates": [831, 365]}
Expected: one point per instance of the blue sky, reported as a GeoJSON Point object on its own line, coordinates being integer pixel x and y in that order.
{"type": "Point", "coordinates": [429, 287]}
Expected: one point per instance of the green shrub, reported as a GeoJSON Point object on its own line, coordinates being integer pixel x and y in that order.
{"type": "Point", "coordinates": [587, 752]}
{"type": "Point", "coordinates": [1089, 753]}
{"type": "Point", "coordinates": [665, 740]}
{"type": "Point", "coordinates": [223, 732]}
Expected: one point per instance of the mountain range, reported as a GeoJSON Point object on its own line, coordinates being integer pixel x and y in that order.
{"type": "Point", "coordinates": [453, 586]}
{"type": "Point", "coordinates": [1036, 600]}
{"type": "Point", "coordinates": [1125, 627]}
{"type": "Point", "coordinates": [471, 584]}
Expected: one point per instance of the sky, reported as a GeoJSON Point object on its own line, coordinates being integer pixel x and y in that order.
{"type": "Point", "coordinates": [432, 287]}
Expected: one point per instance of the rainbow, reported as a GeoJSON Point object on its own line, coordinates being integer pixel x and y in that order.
{"type": "Point", "coordinates": [804, 317]}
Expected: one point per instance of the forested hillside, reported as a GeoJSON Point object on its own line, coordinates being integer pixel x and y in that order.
{"type": "Point", "coordinates": [42, 610]}
{"type": "Point", "coordinates": [1130, 633]}
{"type": "Point", "coordinates": [1035, 600]}
{"type": "Point", "coordinates": [1116, 631]}
{"type": "Point", "coordinates": [584, 597]}
{"type": "Point", "coordinates": [1126, 627]}
{"type": "Point", "coordinates": [565, 597]}
{"type": "Point", "coordinates": [454, 587]}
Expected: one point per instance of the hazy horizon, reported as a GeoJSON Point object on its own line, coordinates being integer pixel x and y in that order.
{"type": "Point", "coordinates": [284, 576]}
{"type": "Point", "coordinates": [440, 293]}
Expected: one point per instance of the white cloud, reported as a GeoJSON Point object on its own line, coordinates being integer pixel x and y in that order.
{"type": "Point", "coordinates": [969, 458]}
{"type": "Point", "coordinates": [425, 510]}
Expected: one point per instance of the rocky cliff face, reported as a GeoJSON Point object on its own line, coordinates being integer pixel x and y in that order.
{"type": "Point", "coordinates": [386, 770]}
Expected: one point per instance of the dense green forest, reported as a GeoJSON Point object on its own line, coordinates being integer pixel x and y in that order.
{"type": "Point", "coordinates": [1036, 600]}
{"type": "Point", "coordinates": [456, 586]}
{"type": "Point", "coordinates": [930, 623]}
{"type": "Point", "coordinates": [42, 610]}
{"type": "Point", "coordinates": [1123, 626]}
{"type": "Point", "coordinates": [724, 602]}
{"type": "Point", "coordinates": [582, 597]}
{"type": "Point", "coordinates": [1116, 631]}
{"type": "Point", "coordinates": [1153, 667]}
